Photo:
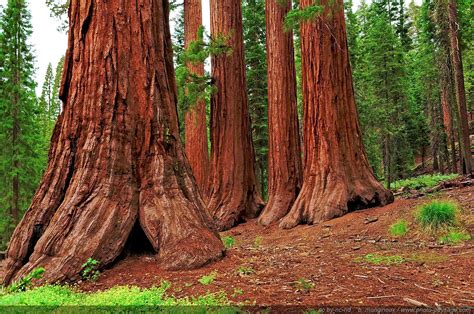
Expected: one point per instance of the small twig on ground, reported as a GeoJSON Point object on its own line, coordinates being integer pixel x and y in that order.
{"type": "Point", "coordinates": [383, 282]}
{"type": "Point", "coordinates": [383, 297]}
{"type": "Point", "coordinates": [415, 302]}
{"type": "Point", "coordinates": [462, 291]}
{"type": "Point", "coordinates": [426, 288]}
{"type": "Point", "coordinates": [360, 276]}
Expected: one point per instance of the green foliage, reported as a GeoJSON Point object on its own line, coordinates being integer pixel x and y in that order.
{"type": "Point", "coordinates": [399, 228]}
{"type": "Point", "coordinates": [422, 182]}
{"type": "Point", "coordinates": [454, 237]}
{"type": "Point", "coordinates": [59, 9]}
{"type": "Point", "coordinates": [300, 15]}
{"type": "Point", "coordinates": [26, 282]}
{"type": "Point", "coordinates": [90, 270]}
{"type": "Point", "coordinates": [129, 296]}
{"type": "Point", "coordinates": [228, 241]}
{"type": "Point", "coordinates": [437, 214]}
{"type": "Point", "coordinates": [208, 279]}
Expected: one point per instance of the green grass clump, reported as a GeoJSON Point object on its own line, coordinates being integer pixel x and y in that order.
{"type": "Point", "coordinates": [304, 285]}
{"type": "Point", "coordinates": [228, 242]}
{"type": "Point", "coordinates": [245, 271]}
{"type": "Point", "coordinates": [208, 279]}
{"type": "Point", "coordinates": [437, 214]}
{"type": "Point", "coordinates": [422, 182]}
{"type": "Point", "coordinates": [55, 296]}
{"type": "Point", "coordinates": [399, 228]}
{"type": "Point", "coordinates": [454, 237]}
{"type": "Point", "coordinates": [381, 259]}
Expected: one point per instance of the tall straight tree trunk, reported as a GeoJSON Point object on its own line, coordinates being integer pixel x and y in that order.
{"type": "Point", "coordinates": [234, 194]}
{"type": "Point", "coordinates": [195, 121]}
{"type": "Point", "coordinates": [337, 175]}
{"type": "Point", "coordinates": [15, 204]}
{"type": "Point", "coordinates": [285, 169]}
{"type": "Point", "coordinates": [467, 163]}
{"type": "Point", "coordinates": [116, 159]}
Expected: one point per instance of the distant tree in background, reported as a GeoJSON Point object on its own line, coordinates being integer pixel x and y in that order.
{"type": "Point", "coordinates": [253, 12]}
{"type": "Point", "coordinates": [22, 153]}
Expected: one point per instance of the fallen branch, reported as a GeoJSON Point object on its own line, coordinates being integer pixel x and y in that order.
{"type": "Point", "coordinates": [426, 288]}
{"type": "Point", "coordinates": [383, 297]}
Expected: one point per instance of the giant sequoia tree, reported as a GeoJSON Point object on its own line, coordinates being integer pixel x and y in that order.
{"type": "Point", "coordinates": [195, 119]}
{"type": "Point", "coordinates": [233, 195]}
{"type": "Point", "coordinates": [285, 170]}
{"type": "Point", "coordinates": [116, 162]}
{"type": "Point", "coordinates": [337, 175]}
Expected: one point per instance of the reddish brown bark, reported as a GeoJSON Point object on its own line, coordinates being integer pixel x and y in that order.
{"type": "Point", "coordinates": [466, 154]}
{"type": "Point", "coordinates": [116, 157]}
{"type": "Point", "coordinates": [337, 175]}
{"type": "Point", "coordinates": [285, 169]}
{"type": "Point", "coordinates": [195, 121]}
{"type": "Point", "coordinates": [233, 192]}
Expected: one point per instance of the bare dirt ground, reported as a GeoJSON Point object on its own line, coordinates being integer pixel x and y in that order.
{"type": "Point", "coordinates": [324, 265]}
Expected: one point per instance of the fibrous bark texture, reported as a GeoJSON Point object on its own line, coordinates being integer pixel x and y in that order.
{"type": "Point", "coordinates": [337, 175]}
{"type": "Point", "coordinates": [116, 157]}
{"type": "Point", "coordinates": [195, 120]}
{"type": "Point", "coordinates": [285, 169]}
{"type": "Point", "coordinates": [466, 154]}
{"type": "Point", "coordinates": [233, 193]}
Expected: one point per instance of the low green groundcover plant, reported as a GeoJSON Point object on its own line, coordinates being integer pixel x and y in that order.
{"type": "Point", "coordinates": [422, 182]}
{"type": "Point", "coordinates": [437, 214]}
{"type": "Point", "coordinates": [399, 228]}
{"type": "Point", "coordinates": [454, 237]}
{"type": "Point", "coordinates": [128, 296]}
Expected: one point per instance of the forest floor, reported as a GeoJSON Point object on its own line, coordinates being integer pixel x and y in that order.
{"type": "Point", "coordinates": [350, 261]}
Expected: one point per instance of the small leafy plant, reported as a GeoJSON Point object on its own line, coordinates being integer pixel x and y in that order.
{"type": "Point", "coordinates": [304, 285]}
{"type": "Point", "coordinates": [245, 271]}
{"type": "Point", "coordinates": [258, 242]}
{"type": "Point", "coordinates": [228, 242]}
{"type": "Point", "coordinates": [237, 292]}
{"type": "Point", "coordinates": [208, 279]}
{"type": "Point", "coordinates": [381, 259]}
{"type": "Point", "coordinates": [437, 214]}
{"type": "Point", "coordinates": [26, 282]}
{"type": "Point", "coordinates": [90, 270]}
{"type": "Point", "coordinates": [399, 228]}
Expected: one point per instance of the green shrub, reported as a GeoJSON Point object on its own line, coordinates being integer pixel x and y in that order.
{"type": "Point", "coordinates": [228, 242]}
{"type": "Point", "coordinates": [90, 270]}
{"type": "Point", "coordinates": [454, 237]}
{"type": "Point", "coordinates": [422, 182]}
{"type": "Point", "coordinates": [437, 214]}
{"type": "Point", "coordinates": [26, 282]}
{"type": "Point", "coordinates": [399, 228]}
{"type": "Point", "coordinates": [208, 279]}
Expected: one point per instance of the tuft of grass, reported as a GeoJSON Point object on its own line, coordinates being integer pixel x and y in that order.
{"type": "Point", "coordinates": [129, 296]}
{"type": "Point", "coordinates": [399, 228]}
{"type": "Point", "coordinates": [437, 214]}
{"type": "Point", "coordinates": [422, 182]}
{"type": "Point", "coordinates": [228, 242]}
{"type": "Point", "coordinates": [208, 279]}
{"type": "Point", "coordinates": [454, 237]}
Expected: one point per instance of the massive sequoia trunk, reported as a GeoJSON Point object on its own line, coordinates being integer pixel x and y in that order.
{"type": "Point", "coordinates": [233, 193]}
{"type": "Point", "coordinates": [116, 159]}
{"type": "Point", "coordinates": [467, 163]}
{"type": "Point", "coordinates": [195, 120]}
{"type": "Point", "coordinates": [285, 169]}
{"type": "Point", "coordinates": [337, 175]}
